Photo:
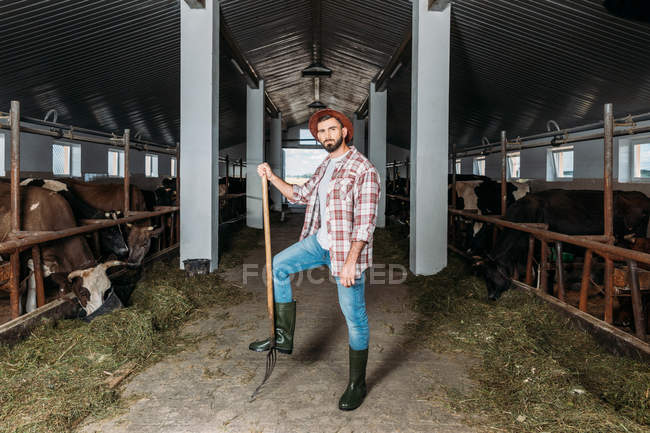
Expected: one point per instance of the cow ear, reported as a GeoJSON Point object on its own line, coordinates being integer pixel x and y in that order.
{"type": "Point", "coordinates": [155, 233]}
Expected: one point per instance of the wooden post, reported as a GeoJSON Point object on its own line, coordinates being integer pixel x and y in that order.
{"type": "Point", "coordinates": [38, 275]}
{"type": "Point", "coordinates": [543, 278]}
{"type": "Point", "coordinates": [529, 260]}
{"type": "Point", "coordinates": [15, 165]}
{"type": "Point", "coordinates": [14, 287]}
{"type": "Point", "coordinates": [504, 176]}
{"type": "Point", "coordinates": [584, 285]}
{"type": "Point", "coordinates": [127, 176]}
{"type": "Point", "coordinates": [559, 271]}
{"type": "Point", "coordinates": [637, 303]}
{"type": "Point", "coordinates": [608, 208]}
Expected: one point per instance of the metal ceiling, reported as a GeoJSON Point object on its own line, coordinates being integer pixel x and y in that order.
{"type": "Point", "coordinates": [114, 64]}
{"type": "Point", "coordinates": [517, 64]}
{"type": "Point", "coordinates": [357, 39]}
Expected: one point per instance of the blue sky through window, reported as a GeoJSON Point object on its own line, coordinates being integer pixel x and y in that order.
{"type": "Point", "coordinates": [300, 164]}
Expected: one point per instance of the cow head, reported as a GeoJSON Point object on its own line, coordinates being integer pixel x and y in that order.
{"type": "Point", "coordinates": [90, 285]}
{"type": "Point", "coordinates": [139, 242]}
{"type": "Point", "coordinates": [495, 277]}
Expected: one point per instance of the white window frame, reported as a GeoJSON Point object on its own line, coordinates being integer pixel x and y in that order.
{"type": "Point", "coordinates": [120, 159]}
{"type": "Point", "coordinates": [634, 161]}
{"type": "Point", "coordinates": [509, 165]}
{"type": "Point", "coordinates": [551, 165]}
{"type": "Point", "coordinates": [173, 167]}
{"type": "Point", "coordinates": [150, 165]}
{"type": "Point", "coordinates": [72, 169]}
{"type": "Point", "coordinates": [459, 166]}
{"type": "Point", "coordinates": [478, 166]}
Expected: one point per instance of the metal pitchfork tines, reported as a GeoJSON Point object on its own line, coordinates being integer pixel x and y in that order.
{"type": "Point", "coordinates": [272, 355]}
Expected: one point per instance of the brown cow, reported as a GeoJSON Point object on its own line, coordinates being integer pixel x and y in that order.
{"type": "Point", "coordinates": [110, 197]}
{"type": "Point", "coordinates": [45, 210]}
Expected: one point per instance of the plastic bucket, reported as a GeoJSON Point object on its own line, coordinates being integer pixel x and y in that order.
{"type": "Point", "coordinates": [196, 267]}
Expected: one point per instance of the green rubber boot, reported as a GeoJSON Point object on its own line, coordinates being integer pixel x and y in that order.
{"type": "Point", "coordinates": [356, 390]}
{"type": "Point", "coordinates": [285, 324]}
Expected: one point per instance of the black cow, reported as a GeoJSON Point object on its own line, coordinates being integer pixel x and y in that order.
{"type": "Point", "coordinates": [570, 212]}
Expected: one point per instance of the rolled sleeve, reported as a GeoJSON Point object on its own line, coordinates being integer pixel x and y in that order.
{"type": "Point", "coordinates": [302, 193]}
{"type": "Point", "coordinates": [367, 190]}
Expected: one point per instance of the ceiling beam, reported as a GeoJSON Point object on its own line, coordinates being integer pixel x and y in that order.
{"type": "Point", "coordinates": [438, 5]}
{"type": "Point", "coordinates": [400, 58]}
{"type": "Point", "coordinates": [196, 4]}
{"type": "Point", "coordinates": [244, 67]}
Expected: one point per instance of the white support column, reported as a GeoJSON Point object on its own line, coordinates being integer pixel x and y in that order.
{"type": "Point", "coordinates": [275, 159]}
{"type": "Point", "coordinates": [200, 133]}
{"type": "Point", "coordinates": [254, 154]}
{"type": "Point", "coordinates": [377, 143]}
{"type": "Point", "coordinates": [429, 138]}
{"type": "Point", "coordinates": [359, 139]}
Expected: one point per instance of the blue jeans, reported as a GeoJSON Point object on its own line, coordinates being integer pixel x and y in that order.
{"type": "Point", "coordinates": [308, 254]}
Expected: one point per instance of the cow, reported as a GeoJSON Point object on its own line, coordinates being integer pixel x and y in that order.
{"type": "Point", "coordinates": [110, 196]}
{"type": "Point", "coordinates": [45, 210]}
{"type": "Point", "coordinates": [483, 195]}
{"type": "Point", "coordinates": [577, 212]}
{"type": "Point", "coordinates": [111, 238]}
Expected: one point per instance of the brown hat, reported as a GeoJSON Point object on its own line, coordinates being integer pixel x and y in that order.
{"type": "Point", "coordinates": [347, 124]}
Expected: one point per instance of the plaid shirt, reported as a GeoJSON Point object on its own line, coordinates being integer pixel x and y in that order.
{"type": "Point", "coordinates": [351, 214]}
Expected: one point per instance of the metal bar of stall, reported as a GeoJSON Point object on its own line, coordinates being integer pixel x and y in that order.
{"type": "Point", "coordinates": [28, 240]}
{"type": "Point", "coordinates": [14, 289]}
{"type": "Point", "coordinates": [580, 241]}
{"type": "Point", "coordinates": [127, 173]}
{"type": "Point", "coordinates": [617, 133]}
{"type": "Point", "coordinates": [15, 166]}
{"type": "Point", "coordinates": [504, 168]}
{"type": "Point", "coordinates": [608, 208]}
{"type": "Point", "coordinates": [596, 125]}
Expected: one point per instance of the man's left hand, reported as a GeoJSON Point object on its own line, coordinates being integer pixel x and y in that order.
{"type": "Point", "coordinates": [347, 274]}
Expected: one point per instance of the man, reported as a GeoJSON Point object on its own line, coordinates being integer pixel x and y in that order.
{"type": "Point", "coordinates": [342, 198]}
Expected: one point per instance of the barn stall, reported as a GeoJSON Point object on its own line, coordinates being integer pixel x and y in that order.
{"type": "Point", "coordinates": [222, 86]}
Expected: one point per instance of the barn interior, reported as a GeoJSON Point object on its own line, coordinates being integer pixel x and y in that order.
{"type": "Point", "coordinates": [156, 115]}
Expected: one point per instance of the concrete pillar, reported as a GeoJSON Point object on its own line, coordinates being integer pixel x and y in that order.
{"type": "Point", "coordinates": [359, 139]}
{"type": "Point", "coordinates": [377, 143]}
{"type": "Point", "coordinates": [199, 161]}
{"type": "Point", "coordinates": [429, 138]}
{"type": "Point", "coordinates": [254, 154]}
{"type": "Point", "coordinates": [275, 158]}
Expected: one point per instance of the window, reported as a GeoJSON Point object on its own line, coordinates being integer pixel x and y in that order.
{"type": "Point", "coordinates": [172, 169]}
{"type": "Point", "coordinates": [641, 161]}
{"type": "Point", "coordinates": [66, 159]}
{"type": "Point", "coordinates": [458, 166]}
{"type": "Point", "coordinates": [514, 165]}
{"type": "Point", "coordinates": [2, 154]}
{"type": "Point", "coordinates": [560, 163]}
{"type": "Point", "coordinates": [479, 166]}
{"type": "Point", "coordinates": [116, 163]}
{"type": "Point", "coordinates": [306, 137]}
{"type": "Point", "coordinates": [151, 165]}
{"type": "Point", "coordinates": [300, 164]}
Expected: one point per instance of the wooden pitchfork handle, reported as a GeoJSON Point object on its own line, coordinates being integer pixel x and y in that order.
{"type": "Point", "coordinates": [269, 260]}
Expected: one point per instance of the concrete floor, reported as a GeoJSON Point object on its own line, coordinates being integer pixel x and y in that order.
{"type": "Point", "coordinates": [207, 388]}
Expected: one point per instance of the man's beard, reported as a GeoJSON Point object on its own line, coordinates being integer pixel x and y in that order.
{"type": "Point", "coordinates": [333, 147]}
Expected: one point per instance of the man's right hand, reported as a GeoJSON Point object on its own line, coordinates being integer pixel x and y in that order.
{"type": "Point", "coordinates": [265, 169]}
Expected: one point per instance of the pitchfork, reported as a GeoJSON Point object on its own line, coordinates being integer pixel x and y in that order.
{"type": "Point", "coordinates": [272, 356]}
